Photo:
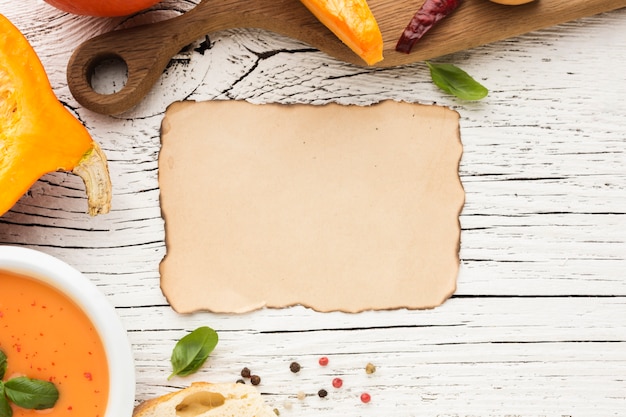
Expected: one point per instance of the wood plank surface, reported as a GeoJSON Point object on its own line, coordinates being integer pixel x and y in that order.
{"type": "Point", "coordinates": [536, 327]}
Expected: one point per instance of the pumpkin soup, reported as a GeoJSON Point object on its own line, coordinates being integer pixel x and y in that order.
{"type": "Point", "coordinates": [46, 336]}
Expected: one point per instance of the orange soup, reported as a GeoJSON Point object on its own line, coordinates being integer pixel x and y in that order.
{"type": "Point", "coordinates": [45, 335]}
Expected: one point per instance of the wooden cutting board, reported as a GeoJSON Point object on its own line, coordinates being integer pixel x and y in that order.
{"type": "Point", "coordinates": [148, 49]}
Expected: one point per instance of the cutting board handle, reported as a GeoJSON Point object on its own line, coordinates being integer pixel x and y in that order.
{"type": "Point", "coordinates": [146, 51]}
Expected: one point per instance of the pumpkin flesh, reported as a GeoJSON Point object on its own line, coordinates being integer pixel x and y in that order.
{"type": "Point", "coordinates": [37, 134]}
{"type": "Point", "coordinates": [353, 23]}
{"type": "Point", "coordinates": [102, 8]}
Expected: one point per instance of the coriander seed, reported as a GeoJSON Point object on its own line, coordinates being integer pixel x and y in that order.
{"type": "Point", "coordinates": [370, 368]}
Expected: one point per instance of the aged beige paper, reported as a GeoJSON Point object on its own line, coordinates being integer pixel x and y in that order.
{"type": "Point", "coordinates": [337, 208]}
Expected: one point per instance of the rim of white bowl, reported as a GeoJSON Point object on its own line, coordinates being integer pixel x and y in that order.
{"type": "Point", "coordinates": [100, 311]}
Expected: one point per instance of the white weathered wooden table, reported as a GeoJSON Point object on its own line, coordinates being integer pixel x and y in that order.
{"type": "Point", "coordinates": [537, 326]}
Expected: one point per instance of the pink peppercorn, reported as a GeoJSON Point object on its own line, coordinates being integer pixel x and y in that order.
{"type": "Point", "coordinates": [337, 382]}
{"type": "Point", "coordinates": [323, 361]}
{"type": "Point", "coordinates": [365, 397]}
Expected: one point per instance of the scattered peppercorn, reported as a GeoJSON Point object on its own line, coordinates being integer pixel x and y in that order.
{"type": "Point", "coordinates": [241, 381]}
{"type": "Point", "coordinates": [337, 382]}
{"type": "Point", "coordinates": [323, 361]}
{"type": "Point", "coordinates": [294, 367]}
{"type": "Point", "coordinates": [365, 397]}
{"type": "Point", "coordinates": [255, 380]}
{"type": "Point", "coordinates": [322, 393]}
{"type": "Point", "coordinates": [245, 372]}
{"type": "Point", "coordinates": [370, 368]}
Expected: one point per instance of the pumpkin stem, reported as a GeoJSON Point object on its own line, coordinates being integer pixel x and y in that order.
{"type": "Point", "coordinates": [95, 174]}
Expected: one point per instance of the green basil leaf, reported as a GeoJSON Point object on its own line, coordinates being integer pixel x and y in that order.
{"type": "Point", "coordinates": [192, 351]}
{"type": "Point", "coordinates": [29, 393]}
{"type": "Point", "coordinates": [5, 408]}
{"type": "Point", "coordinates": [457, 82]}
{"type": "Point", "coordinates": [3, 364]}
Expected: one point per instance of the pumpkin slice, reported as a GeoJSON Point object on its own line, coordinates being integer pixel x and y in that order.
{"type": "Point", "coordinates": [353, 23]}
{"type": "Point", "coordinates": [38, 134]}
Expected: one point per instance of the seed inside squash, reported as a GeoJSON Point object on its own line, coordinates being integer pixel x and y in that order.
{"type": "Point", "coordinates": [8, 104]}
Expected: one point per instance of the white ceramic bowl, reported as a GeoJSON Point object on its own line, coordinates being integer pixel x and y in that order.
{"type": "Point", "coordinates": [86, 295]}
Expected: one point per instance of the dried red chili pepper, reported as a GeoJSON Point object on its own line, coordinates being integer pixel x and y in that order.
{"type": "Point", "coordinates": [431, 12]}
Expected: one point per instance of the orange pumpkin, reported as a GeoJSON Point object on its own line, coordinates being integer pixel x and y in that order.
{"type": "Point", "coordinates": [353, 22]}
{"type": "Point", "coordinates": [102, 8]}
{"type": "Point", "coordinates": [37, 134]}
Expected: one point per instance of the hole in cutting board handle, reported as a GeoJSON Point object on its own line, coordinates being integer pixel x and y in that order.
{"type": "Point", "coordinates": [108, 75]}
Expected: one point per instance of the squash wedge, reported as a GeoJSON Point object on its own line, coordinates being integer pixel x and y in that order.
{"type": "Point", "coordinates": [38, 134]}
{"type": "Point", "coordinates": [353, 23]}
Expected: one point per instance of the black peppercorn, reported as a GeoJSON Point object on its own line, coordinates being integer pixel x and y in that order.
{"type": "Point", "coordinates": [245, 372]}
{"type": "Point", "coordinates": [255, 380]}
{"type": "Point", "coordinates": [241, 381]}
{"type": "Point", "coordinates": [294, 367]}
{"type": "Point", "coordinates": [322, 393]}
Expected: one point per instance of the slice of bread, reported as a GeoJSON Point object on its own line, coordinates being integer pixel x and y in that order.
{"type": "Point", "coordinates": [204, 399]}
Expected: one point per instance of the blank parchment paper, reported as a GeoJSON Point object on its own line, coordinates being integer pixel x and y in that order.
{"type": "Point", "coordinates": [337, 208]}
